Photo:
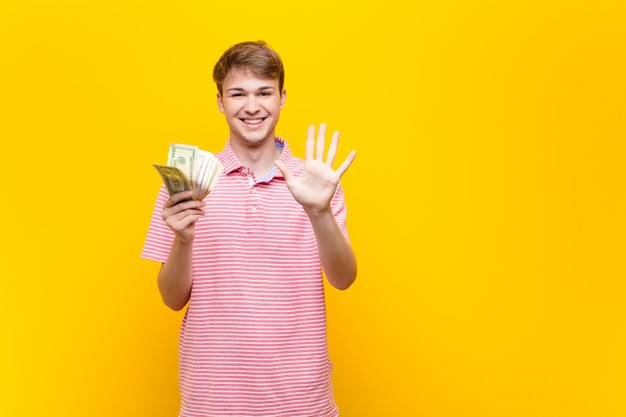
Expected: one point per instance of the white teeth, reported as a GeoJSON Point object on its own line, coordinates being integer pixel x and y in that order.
{"type": "Point", "coordinates": [253, 121]}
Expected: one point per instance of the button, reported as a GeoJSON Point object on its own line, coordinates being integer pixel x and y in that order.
{"type": "Point", "coordinates": [253, 209]}
{"type": "Point", "coordinates": [244, 171]}
{"type": "Point", "coordinates": [253, 190]}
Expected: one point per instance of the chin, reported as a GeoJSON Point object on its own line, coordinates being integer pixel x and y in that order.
{"type": "Point", "coordinates": [255, 137]}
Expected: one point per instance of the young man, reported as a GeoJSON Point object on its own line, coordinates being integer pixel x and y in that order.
{"type": "Point", "coordinates": [248, 260]}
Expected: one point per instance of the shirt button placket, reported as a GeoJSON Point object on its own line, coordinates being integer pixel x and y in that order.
{"type": "Point", "coordinates": [245, 171]}
{"type": "Point", "coordinates": [253, 199]}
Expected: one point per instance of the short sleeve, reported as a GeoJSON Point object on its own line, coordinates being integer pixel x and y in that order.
{"type": "Point", "coordinates": [160, 237]}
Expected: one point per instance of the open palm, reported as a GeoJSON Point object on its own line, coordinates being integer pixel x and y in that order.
{"type": "Point", "coordinates": [315, 186]}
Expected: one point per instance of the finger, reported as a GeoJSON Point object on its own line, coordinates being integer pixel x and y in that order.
{"type": "Point", "coordinates": [320, 142]}
{"type": "Point", "coordinates": [177, 198]}
{"type": "Point", "coordinates": [310, 142]}
{"type": "Point", "coordinates": [284, 169]}
{"type": "Point", "coordinates": [183, 211]}
{"type": "Point", "coordinates": [184, 205]}
{"type": "Point", "coordinates": [180, 221]}
{"type": "Point", "coordinates": [182, 224]}
{"type": "Point", "coordinates": [332, 149]}
{"type": "Point", "coordinates": [346, 164]}
{"type": "Point", "coordinates": [180, 210]}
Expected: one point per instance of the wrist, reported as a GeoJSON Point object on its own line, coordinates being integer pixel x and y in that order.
{"type": "Point", "coordinates": [318, 212]}
{"type": "Point", "coordinates": [183, 240]}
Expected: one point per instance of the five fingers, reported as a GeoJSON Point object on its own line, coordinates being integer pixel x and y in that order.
{"type": "Point", "coordinates": [332, 149]}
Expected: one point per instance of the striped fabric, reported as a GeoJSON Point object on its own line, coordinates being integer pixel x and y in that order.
{"type": "Point", "coordinates": [253, 339]}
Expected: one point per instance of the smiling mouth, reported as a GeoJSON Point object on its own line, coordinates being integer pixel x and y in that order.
{"type": "Point", "coordinates": [253, 122]}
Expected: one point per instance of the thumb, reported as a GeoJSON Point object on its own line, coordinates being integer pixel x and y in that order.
{"type": "Point", "coordinates": [284, 169]}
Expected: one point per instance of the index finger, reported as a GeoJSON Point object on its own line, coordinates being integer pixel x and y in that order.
{"type": "Point", "coordinates": [178, 198]}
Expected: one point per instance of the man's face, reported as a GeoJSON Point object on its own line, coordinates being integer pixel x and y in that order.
{"type": "Point", "coordinates": [252, 107]}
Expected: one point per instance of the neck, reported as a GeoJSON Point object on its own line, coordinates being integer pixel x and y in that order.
{"type": "Point", "coordinates": [260, 158]}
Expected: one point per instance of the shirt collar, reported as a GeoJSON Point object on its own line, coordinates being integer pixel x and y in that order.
{"type": "Point", "coordinates": [231, 162]}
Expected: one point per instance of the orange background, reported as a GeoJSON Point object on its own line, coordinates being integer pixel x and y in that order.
{"type": "Point", "coordinates": [486, 203]}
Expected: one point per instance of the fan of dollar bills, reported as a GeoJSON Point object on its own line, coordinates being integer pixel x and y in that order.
{"type": "Point", "coordinates": [190, 168]}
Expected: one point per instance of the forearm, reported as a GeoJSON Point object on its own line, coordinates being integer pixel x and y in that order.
{"type": "Point", "coordinates": [335, 252]}
{"type": "Point", "coordinates": [176, 276]}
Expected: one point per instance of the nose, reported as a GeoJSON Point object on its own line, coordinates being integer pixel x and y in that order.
{"type": "Point", "coordinates": [252, 105]}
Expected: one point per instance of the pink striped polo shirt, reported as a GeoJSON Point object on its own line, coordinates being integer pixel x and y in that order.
{"type": "Point", "coordinates": [253, 338]}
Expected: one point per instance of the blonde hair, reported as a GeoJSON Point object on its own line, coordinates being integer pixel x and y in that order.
{"type": "Point", "coordinates": [257, 57]}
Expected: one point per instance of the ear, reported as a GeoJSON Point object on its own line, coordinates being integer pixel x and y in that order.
{"type": "Point", "coordinates": [220, 103]}
{"type": "Point", "coordinates": [283, 98]}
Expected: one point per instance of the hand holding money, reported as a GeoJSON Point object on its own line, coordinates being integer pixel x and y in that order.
{"type": "Point", "coordinates": [190, 168]}
{"type": "Point", "coordinates": [180, 213]}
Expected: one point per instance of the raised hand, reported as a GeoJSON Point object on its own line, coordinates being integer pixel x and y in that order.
{"type": "Point", "coordinates": [315, 187]}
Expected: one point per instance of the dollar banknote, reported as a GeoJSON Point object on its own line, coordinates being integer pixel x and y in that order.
{"type": "Point", "coordinates": [190, 168]}
{"type": "Point", "coordinates": [183, 157]}
{"type": "Point", "coordinates": [174, 179]}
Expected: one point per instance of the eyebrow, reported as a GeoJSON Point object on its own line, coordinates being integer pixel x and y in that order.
{"type": "Point", "coordinates": [264, 88]}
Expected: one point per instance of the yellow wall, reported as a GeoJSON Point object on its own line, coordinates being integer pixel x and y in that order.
{"type": "Point", "coordinates": [486, 203]}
